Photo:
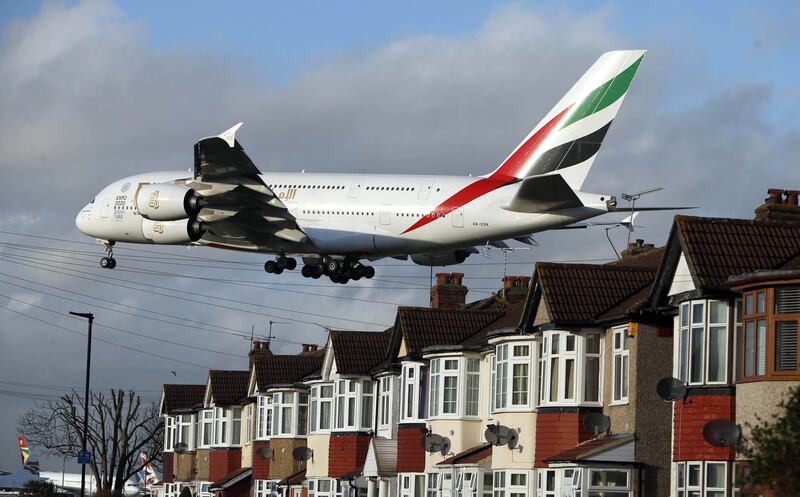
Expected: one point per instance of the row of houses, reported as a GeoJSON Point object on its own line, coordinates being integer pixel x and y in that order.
{"type": "Point", "coordinates": [550, 387]}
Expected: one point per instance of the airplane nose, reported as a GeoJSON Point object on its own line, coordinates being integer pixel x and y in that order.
{"type": "Point", "coordinates": [82, 219]}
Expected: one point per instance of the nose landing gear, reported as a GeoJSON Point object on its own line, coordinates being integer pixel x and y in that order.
{"type": "Point", "coordinates": [108, 262]}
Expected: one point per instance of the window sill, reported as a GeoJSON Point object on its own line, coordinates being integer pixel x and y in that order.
{"type": "Point", "coordinates": [619, 403]}
{"type": "Point", "coordinates": [514, 410]}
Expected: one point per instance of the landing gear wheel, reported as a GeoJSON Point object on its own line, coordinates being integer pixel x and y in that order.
{"type": "Point", "coordinates": [357, 273]}
{"type": "Point", "coordinates": [112, 263]}
{"type": "Point", "coordinates": [334, 277]}
{"type": "Point", "coordinates": [104, 262]}
{"type": "Point", "coordinates": [332, 266]}
{"type": "Point", "coordinates": [291, 263]}
{"type": "Point", "coordinates": [369, 272]}
{"type": "Point", "coordinates": [278, 270]}
{"type": "Point", "coordinates": [317, 272]}
{"type": "Point", "coordinates": [307, 271]}
{"type": "Point", "coordinates": [282, 262]}
{"type": "Point", "coordinates": [270, 266]}
{"type": "Point", "coordinates": [108, 261]}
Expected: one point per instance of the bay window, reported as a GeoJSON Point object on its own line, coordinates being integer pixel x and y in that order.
{"type": "Point", "coordinates": [354, 404]}
{"type": "Point", "coordinates": [263, 416]}
{"type": "Point", "coordinates": [236, 426]}
{"type": "Point", "coordinates": [169, 433]}
{"type": "Point", "coordinates": [769, 345]}
{"type": "Point", "coordinates": [570, 368]}
{"type": "Point", "coordinates": [454, 387]}
{"type": "Point", "coordinates": [384, 401]}
{"type": "Point", "coordinates": [206, 427]}
{"type": "Point", "coordinates": [221, 421]}
{"type": "Point", "coordinates": [184, 430]}
{"type": "Point", "coordinates": [621, 361]}
{"type": "Point", "coordinates": [703, 342]}
{"type": "Point", "coordinates": [321, 407]}
{"type": "Point", "coordinates": [227, 426]}
{"type": "Point", "coordinates": [513, 375]}
{"type": "Point", "coordinates": [701, 479]}
{"type": "Point", "coordinates": [289, 414]}
{"type": "Point", "coordinates": [412, 380]}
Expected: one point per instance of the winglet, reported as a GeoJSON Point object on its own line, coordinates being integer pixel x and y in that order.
{"type": "Point", "coordinates": [230, 135]}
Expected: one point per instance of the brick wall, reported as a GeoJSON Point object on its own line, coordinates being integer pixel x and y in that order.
{"type": "Point", "coordinates": [222, 462]}
{"type": "Point", "coordinates": [347, 453]}
{"type": "Point", "coordinates": [410, 454]}
{"type": "Point", "coordinates": [556, 432]}
{"type": "Point", "coordinates": [691, 415]}
{"type": "Point", "coordinates": [168, 467]}
{"type": "Point", "coordinates": [260, 465]}
{"type": "Point", "coordinates": [284, 464]}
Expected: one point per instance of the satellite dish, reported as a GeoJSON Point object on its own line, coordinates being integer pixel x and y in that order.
{"type": "Point", "coordinates": [721, 432]}
{"type": "Point", "coordinates": [491, 434]}
{"type": "Point", "coordinates": [501, 435]}
{"type": "Point", "coordinates": [433, 442]}
{"type": "Point", "coordinates": [513, 439]}
{"type": "Point", "coordinates": [181, 448]}
{"type": "Point", "coordinates": [302, 454]}
{"type": "Point", "coordinates": [265, 452]}
{"type": "Point", "coordinates": [445, 446]}
{"type": "Point", "coordinates": [671, 389]}
{"type": "Point", "coordinates": [596, 423]}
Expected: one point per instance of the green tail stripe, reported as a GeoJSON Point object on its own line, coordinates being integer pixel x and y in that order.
{"type": "Point", "coordinates": [605, 94]}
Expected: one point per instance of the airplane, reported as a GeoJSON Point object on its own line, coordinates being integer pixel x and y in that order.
{"type": "Point", "coordinates": [335, 222]}
{"type": "Point", "coordinates": [70, 482]}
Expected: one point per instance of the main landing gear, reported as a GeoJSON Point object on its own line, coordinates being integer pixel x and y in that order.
{"type": "Point", "coordinates": [108, 262]}
{"type": "Point", "coordinates": [338, 270]}
{"type": "Point", "coordinates": [280, 264]}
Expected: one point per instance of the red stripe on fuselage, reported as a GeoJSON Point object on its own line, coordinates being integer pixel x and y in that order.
{"type": "Point", "coordinates": [505, 174]}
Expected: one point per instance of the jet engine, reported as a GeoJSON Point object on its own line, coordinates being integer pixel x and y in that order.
{"type": "Point", "coordinates": [167, 202]}
{"type": "Point", "coordinates": [441, 258]}
{"type": "Point", "coordinates": [170, 232]}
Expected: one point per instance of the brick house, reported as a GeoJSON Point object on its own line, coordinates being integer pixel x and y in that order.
{"type": "Point", "coordinates": [179, 407]}
{"type": "Point", "coordinates": [731, 287]}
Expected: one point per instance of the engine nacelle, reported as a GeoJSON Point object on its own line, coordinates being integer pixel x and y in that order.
{"type": "Point", "coordinates": [167, 202]}
{"type": "Point", "coordinates": [172, 232]}
{"type": "Point", "coordinates": [441, 258]}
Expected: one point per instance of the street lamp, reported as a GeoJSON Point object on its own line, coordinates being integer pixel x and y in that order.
{"type": "Point", "coordinates": [90, 317]}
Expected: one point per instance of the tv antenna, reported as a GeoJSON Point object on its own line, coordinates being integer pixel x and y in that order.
{"type": "Point", "coordinates": [269, 338]}
{"type": "Point", "coordinates": [631, 198]}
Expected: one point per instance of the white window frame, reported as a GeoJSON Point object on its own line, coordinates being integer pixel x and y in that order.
{"type": "Point", "coordinates": [385, 402]}
{"type": "Point", "coordinates": [410, 381]}
{"type": "Point", "coordinates": [247, 421]}
{"type": "Point", "coordinates": [620, 366]}
{"type": "Point", "coordinates": [411, 483]}
{"type": "Point", "coordinates": [432, 485]}
{"type": "Point", "coordinates": [506, 362]}
{"type": "Point", "coordinates": [605, 489]}
{"type": "Point", "coordinates": [291, 404]}
{"type": "Point", "coordinates": [317, 401]}
{"type": "Point", "coordinates": [560, 356]}
{"type": "Point", "coordinates": [169, 433]}
{"type": "Point", "coordinates": [348, 404]}
{"type": "Point", "coordinates": [185, 421]}
{"type": "Point", "coordinates": [682, 487]}
{"type": "Point", "coordinates": [693, 327]}
{"type": "Point", "coordinates": [438, 378]}
{"type": "Point", "coordinates": [205, 425]}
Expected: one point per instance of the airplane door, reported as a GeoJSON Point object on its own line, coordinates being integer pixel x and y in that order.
{"type": "Point", "coordinates": [355, 188]}
{"type": "Point", "coordinates": [425, 190]}
{"type": "Point", "coordinates": [105, 208]}
{"type": "Point", "coordinates": [457, 217]}
{"type": "Point", "coordinates": [386, 215]}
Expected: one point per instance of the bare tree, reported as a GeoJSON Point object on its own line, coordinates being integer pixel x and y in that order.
{"type": "Point", "coordinates": [119, 429]}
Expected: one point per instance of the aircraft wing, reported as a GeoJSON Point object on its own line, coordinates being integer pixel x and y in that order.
{"type": "Point", "coordinates": [239, 210]}
{"type": "Point", "coordinates": [627, 223]}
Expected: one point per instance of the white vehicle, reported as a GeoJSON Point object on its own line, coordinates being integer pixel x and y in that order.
{"type": "Point", "coordinates": [335, 221]}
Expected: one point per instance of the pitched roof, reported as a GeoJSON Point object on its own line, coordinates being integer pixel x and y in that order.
{"type": "Point", "coordinates": [296, 478]}
{"type": "Point", "coordinates": [357, 352]}
{"type": "Point", "coordinates": [579, 293]}
{"type": "Point", "coordinates": [717, 248]}
{"type": "Point", "coordinates": [228, 387]}
{"type": "Point", "coordinates": [650, 259]}
{"type": "Point", "coordinates": [232, 479]}
{"type": "Point", "coordinates": [182, 397]}
{"type": "Point", "coordinates": [473, 455]}
{"type": "Point", "coordinates": [284, 369]}
{"type": "Point", "coordinates": [423, 327]}
{"type": "Point", "coordinates": [592, 447]}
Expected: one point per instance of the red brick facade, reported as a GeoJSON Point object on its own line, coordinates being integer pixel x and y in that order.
{"type": "Point", "coordinates": [260, 465]}
{"type": "Point", "coordinates": [222, 462]}
{"type": "Point", "coordinates": [347, 453]}
{"type": "Point", "coordinates": [410, 454]}
{"type": "Point", "coordinates": [557, 432]}
{"type": "Point", "coordinates": [167, 465]}
{"type": "Point", "coordinates": [691, 415]}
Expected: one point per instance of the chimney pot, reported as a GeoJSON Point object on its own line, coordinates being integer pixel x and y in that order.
{"type": "Point", "coordinates": [775, 195]}
{"type": "Point", "coordinates": [449, 292]}
{"type": "Point", "coordinates": [639, 242]}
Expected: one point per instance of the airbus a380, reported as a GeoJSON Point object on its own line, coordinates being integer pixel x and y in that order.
{"type": "Point", "coordinates": [336, 221]}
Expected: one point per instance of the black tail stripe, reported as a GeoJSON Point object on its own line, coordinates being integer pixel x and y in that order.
{"type": "Point", "coordinates": [570, 153]}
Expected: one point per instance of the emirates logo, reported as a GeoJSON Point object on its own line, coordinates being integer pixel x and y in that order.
{"type": "Point", "coordinates": [152, 202]}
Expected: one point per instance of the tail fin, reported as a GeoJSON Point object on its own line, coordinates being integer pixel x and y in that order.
{"type": "Point", "coordinates": [566, 141]}
{"type": "Point", "coordinates": [150, 475]}
{"type": "Point", "coordinates": [24, 451]}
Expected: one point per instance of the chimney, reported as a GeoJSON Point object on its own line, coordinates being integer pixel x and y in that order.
{"type": "Point", "coordinates": [780, 205]}
{"type": "Point", "coordinates": [448, 293]}
{"type": "Point", "coordinates": [308, 348]}
{"type": "Point", "coordinates": [636, 248]}
{"type": "Point", "coordinates": [258, 348]}
{"type": "Point", "coordinates": [515, 288]}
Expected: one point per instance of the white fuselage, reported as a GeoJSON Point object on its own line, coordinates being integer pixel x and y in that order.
{"type": "Point", "coordinates": [365, 215]}
{"type": "Point", "coordinates": [72, 482]}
